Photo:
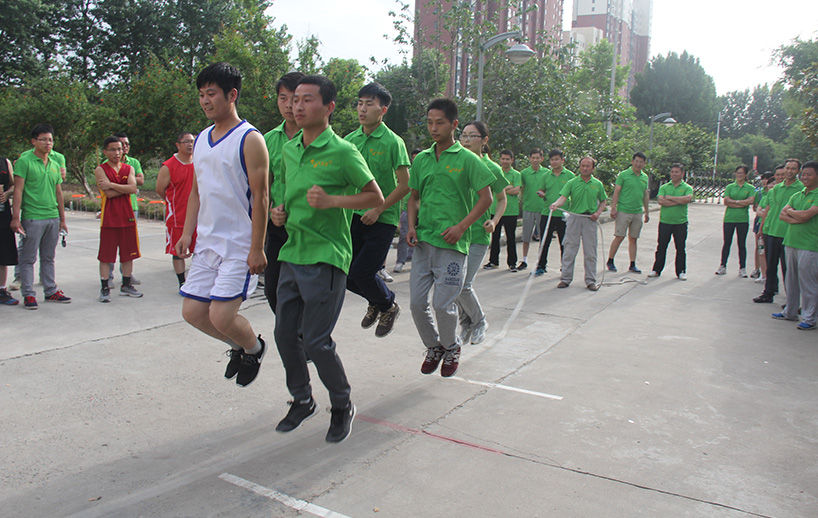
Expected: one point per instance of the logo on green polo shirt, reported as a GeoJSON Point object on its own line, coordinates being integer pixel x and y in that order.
{"type": "Point", "coordinates": [375, 152]}
{"type": "Point", "coordinates": [315, 163]}
{"type": "Point", "coordinates": [453, 169]}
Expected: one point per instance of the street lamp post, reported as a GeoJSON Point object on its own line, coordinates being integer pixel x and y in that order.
{"type": "Point", "coordinates": [518, 54]}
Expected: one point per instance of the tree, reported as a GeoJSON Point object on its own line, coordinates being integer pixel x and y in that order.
{"type": "Point", "coordinates": [676, 84]}
{"type": "Point", "coordinates": [594, 71]}
{"type": "Point", "coordinates": [26, 40]}
{"type": "Point", "coordinates": [348, 77]}
{"type": "Point", "coordinates": [800, 62]}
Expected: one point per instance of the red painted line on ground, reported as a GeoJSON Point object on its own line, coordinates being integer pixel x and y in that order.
{"type": "Point", "coordinates": [412, 431]}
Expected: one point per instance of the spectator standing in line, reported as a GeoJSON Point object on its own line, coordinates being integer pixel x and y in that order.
{"type": "Point", "coordinates": [738, 196]}
{"type": "Point", "coordinates": [629, 202]}
{"type": "Point", "coordinates": [674, 197]}
{"type": "Point", "coordinates": [508, 222]}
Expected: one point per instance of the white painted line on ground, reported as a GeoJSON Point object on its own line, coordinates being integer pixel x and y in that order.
{"type": "Point", "coordinates": [295, 503]}
{"type": "Point", "coordinates": [511, 389]}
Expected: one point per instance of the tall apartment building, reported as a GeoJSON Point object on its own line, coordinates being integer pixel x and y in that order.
{"type": "Point", "coordinates": [625, 23]}
{"type": "Point", "coordinates": [535, 18]}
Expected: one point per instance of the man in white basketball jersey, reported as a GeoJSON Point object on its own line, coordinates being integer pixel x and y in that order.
{"type": "Point", "coordinates": [228, 211]}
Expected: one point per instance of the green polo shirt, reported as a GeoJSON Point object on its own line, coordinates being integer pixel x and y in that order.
{"type": "Point", "coordinates": [445, 188]}
{"type": "Point", "coordinates": [477, 234]}
{"type": "Point", "coordinates": [275, 140]}
{"type": "Point", "coordinates": [777, 199]}
{"type": "Point", "coordinates": [632, 195]}
{"type": "Point", "coordinates": [137, 170]}
{"type": "Point", "coordinates": [734, 192]}
{"type": "Point", "coordinates": [803, 236]}
{"type": "Point", "coordinates": [320, 235]}
{"type": "Point", "coordinates": [583, 196]}
{"type": "Point", "coordinates": [513, 200]}
{"type": "Point", "coordinates": [384, 152]}
{"type": "Point", "coordinates": [532, 181]}
{"type": "Point", "coordinates": [675, 214]}
{"type": "Point", "coordinates": [552, 185]}
{"type": "Point", "coordinates": [40, 190]}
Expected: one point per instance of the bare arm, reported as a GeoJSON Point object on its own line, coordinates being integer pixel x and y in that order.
{"type": "Point", "coordinates": [645, 201]}
{"type": "Point", "coordinates": [412, 207]}
{"type": "Point", "coordinates": [162, 181]}
{"type": "Point", "coordinates": [615, 200]}
{"type": "Point", "coordinates": [61, 207]}
{"type": "Point", "coordinates": [512, 190]}
{"type": "Point", "coordinates": [792, 216]}
{"type": "Point", "coordinates": [257, 161]}
{"type": "Point", "coordinates": [401, 190]}
{"type": "Point", "coordinates": [191, 220]}
{"type": "Point", "coordinates": [599, 209]}
{"type": "Point", "coordinates": [502, 202]}
{"type": "Point", "coordinates": [19, 187]}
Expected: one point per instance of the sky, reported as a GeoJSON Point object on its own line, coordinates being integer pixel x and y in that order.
{"type": "Point", "coordinates": [733, 39]}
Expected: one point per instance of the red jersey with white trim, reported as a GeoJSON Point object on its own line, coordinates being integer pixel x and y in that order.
{"type": "Point", "coordinates": [117, 211]}
{"type": "Point", "coordinates": [178, 191]}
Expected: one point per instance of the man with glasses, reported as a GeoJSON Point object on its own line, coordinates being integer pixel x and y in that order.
{"type": "Point", "coordinates": [173, 184]}
{"type": "Point", "coordinates": [38, 215]}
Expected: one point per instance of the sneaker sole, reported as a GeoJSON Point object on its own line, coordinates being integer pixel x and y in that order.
{"type": "Point", "coordinates": [313, 414]}
{"type": "Point", "coordinates": [351, 419]}
{"type": "Point", "coordinates": [59, 301]}
{"type": "Point", "coordinates": [31, 307]}
{"type": "Point", "coordinates": [801, 328]}
{"type": "Point", "coordinates": [131, 295]}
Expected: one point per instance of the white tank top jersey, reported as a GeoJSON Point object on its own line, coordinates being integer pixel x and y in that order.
{"type": "Point", "coordinates": [225, 202]}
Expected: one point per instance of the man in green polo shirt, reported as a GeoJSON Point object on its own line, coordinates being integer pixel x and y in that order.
{"type": "Point", "coordinates": [587, 199]}
{"type": "Point", "coordinates": [323, 177]}
{"type": "Point", "coordinates": [552, 183]}
{"type": "Point", "coordinates": [275, 140]}
{"type": "Point", "coordinates": [801, 240]}
{"type": "Point", "coordinates": [39, 215]}
{"type": "Point", "coordinates": [372, 230]}
{"type": "Point", "coordinates": [629, 201]}
{"type": "Point", "coordinates": [674, 197]}
{"type": "Point", "coordinates": [775, 228]}
{"type": "Point", "coordinates": [532, 203]}
{"type": "Point", "coordinates": [441, 211]}
{"type": "Point", "coordinates": [508, 222]}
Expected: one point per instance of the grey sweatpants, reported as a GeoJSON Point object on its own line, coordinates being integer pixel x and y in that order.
{"type": "Point", "coordinates": [579, 228]}
{"type": "Point", "coordinates": [801, 282]}
{"type": "Point", "coordinates": [443, 269]}
{"type": "Point", "coordinates": [471, 312]}
{"type": "Point", "coordinates": [309, 302]}
{"type": "Point", "coordinates": [41, 238]}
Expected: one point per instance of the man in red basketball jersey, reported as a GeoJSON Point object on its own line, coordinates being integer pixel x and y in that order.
{"type": "Point", "coordinates": [116, 181]}
{"type": "Point", "coordinates": [173, 184]}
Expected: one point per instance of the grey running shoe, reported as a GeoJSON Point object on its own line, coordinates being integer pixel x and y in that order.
{"type": "Point", "coordinates": [105, 295]}
{"type": "Point", "coordinates": [129, 291]}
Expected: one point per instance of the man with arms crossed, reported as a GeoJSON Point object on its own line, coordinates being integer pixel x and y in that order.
{"type": "Point", "coordinates": [586, 196]}
{"type": "Point", "coordinates": [227, 210]}
{"type": "Point", "coordinates": [324, 176]}
{"type": "Point", "coordinates": [173, 184]}
{"type": "Point", "coordinates": [674, 197]}
{"type": "Point", "coordinates": [629, 201]}
{"type": "Point", "coordinates": [441, 211]}
{"type": "Point", "coordinates": [372, 230]}
{"type": "Point", "coordinates": [801, 240]}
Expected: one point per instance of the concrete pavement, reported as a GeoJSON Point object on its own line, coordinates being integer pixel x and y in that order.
{"type": "Point", "coordinates": [666, 399]}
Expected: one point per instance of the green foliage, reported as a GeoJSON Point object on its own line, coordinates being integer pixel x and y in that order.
{"type": "Point", "coordinates": [734, 152]}
{"type": "Point", "coordinates": [309, 60]}
{"type": "Point", "coordinates": [676, 84]}
{"type": "Point", "coordinates": [594, 71]}
{"type": "Point", "coordinates": [800, 62]}
{"type": "Point", "coordinates": [25, 39]}
{"type": "Point", "coordinates": [760, 113]}
{"type": "Point", "coordinates": [348, 77]}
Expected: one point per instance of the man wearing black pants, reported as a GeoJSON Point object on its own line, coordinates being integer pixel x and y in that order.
{"type": "Point", "coordinates": [674, 197]}
{"type": "Point", "coordinates": [775, 229]}
{"type": "Point", "coordinates": [552, 183]}
{"type": "Point", "coordinates": [508, 222]}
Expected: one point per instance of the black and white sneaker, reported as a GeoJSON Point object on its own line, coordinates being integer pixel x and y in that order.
{"type": "Point", "coordinates": [250, 364]}
{"type": "Point", "coordinates": [298, 413]}
{"type": "Point", "coordinates": [233, 365]}
{"type": "Point", "coordinates": [340, 424]}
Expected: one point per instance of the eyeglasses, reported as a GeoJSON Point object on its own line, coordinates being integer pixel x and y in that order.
{"type": "Point", "coordinates": [45, 140]}
{"type": "Point", "coordinates": [466, 136]}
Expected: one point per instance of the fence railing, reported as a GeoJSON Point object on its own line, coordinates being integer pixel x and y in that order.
{"type": "Point", "coordinates": [707, 189]}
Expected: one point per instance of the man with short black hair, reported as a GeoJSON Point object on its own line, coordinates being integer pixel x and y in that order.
{"type": "Point", "coordinates": [373, 229]}
{"type": "Point", "coordinates": [775, 228]}
{"type": "Point", "coordinates": [140, 179]}
{"type": "Point", "coordinates": [325, 178]}
{"type": "Point", "coordinates": [629, 201]}
{"type": "Point", "coordinates": [674, 197]}
{"type": "Point", "coordinates": [532, 202]}
{"type": "Point", "coordinates": [552, 183]}
{"type": "Point", "coordinates": [508, 222]}
{"type": "Point", "coordinates": [38, 215]}
{"type": "Point", "coordinates": [801, 240]}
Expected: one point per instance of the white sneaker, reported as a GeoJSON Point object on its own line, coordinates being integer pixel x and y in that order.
{"type": "Point", "coordinates": [398, 268]}
{"type": "Point", "coordinates": [683, 276]}
{"type": "Point", "coordinates": [653, 274]}
{"type": "Point", "coordinates": [760, 280]}
{"type": "Point", "coordinates": [383, 274]}
{"type": "Point", "coordinates": [742, 272]}
{"type": "Point", "coordinates": [722, 270]}
{"type": "Point", "coordinates": [478, 334]}
{"type": "Point", "coordinates": [15, 284]}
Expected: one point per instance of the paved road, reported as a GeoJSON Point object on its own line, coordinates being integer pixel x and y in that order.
{"type": "Point", "coordinates": [666, 399]}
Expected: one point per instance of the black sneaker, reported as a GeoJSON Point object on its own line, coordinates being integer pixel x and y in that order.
{"type": "Point", "coordinates": [340, 424]}
{"type": "Point", "coordinates": [386, 320]}
{"type": "Point", "coordinates": [233, 365]}
{"type": "Point", "coordinates": [764, 298]}
{"type": "Point", "coordinates": [298, 413]}
{"type": "Point", "coordinates": [250, 364]}
{"type": "Point", "coordinates": [522, 266]}
{"type": "Point", "coordinates": [371, 317]}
